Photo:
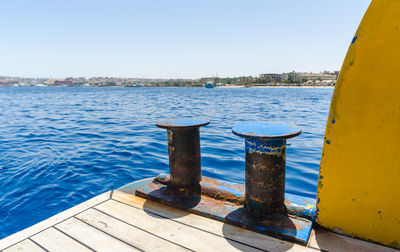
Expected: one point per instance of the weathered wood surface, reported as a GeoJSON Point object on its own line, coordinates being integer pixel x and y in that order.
{"type": "Point", "coordinates": [25, 245]}
{"type": "Point", "coordinates": [123, 222]}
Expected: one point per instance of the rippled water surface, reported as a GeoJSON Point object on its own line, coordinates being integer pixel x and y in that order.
{"type": "Point", "coordinates": [62, 146]}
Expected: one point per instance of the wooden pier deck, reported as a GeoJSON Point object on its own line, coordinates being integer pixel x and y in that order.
{"type": "Point", "coordinates": [116, 221]}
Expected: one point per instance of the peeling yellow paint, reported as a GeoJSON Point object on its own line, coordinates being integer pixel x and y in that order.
{"type": "Point", "coordinates": [359, 187]}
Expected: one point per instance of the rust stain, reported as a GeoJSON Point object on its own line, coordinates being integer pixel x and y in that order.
{"type": "Point", "coordinates": [102, 222]}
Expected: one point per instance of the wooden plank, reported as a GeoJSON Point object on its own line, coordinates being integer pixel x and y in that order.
{"type": "Point", "coordinates": [330, 241]}
{"type": "Point", "coordinates": [319, 239]}
{"type": "Point", "coordinates": [218, 228]}
{"type": "Point", "coordinates": [53, 240]}
{"type": "Point", "coordinates": [25, 245]}
{"type": "Point", "coordinates": [22, 235]}
{"type": "Point", "coordinates": [184, 235]}
{"type": "Point", "coordinates": [127, 233]}
{"type": "Point", "coordinates": [92, 237]}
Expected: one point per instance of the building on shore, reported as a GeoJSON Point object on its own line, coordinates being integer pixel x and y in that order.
{"type": "Point", "coordinates": [300, 76]}
{"type": "Point", "coordinates": [51, 82]}
{"type": "Point", "coordinates": [62, 83]}
{"type": "Point", "coordinates": [275, 76]}
{"type": "Point", "coordinates": [321, 76]}
{"type": "Point", "coordinates": [8, 83]}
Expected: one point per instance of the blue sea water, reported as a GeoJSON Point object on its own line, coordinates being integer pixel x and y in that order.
{"type": "Point", "coordinates": [62, 146]}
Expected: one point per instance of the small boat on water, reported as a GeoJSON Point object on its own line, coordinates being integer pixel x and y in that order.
{"type": "Point", "coordinates": [209, 84]}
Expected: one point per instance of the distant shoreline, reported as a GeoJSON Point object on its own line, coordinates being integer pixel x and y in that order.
{"type": "Point", "coordinates": [276, 87]}
{"type": "Point", "coordinates": [233, 86]}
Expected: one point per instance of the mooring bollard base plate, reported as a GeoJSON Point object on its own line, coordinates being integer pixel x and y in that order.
{"type": "Point", "coordinates": [227, 209]}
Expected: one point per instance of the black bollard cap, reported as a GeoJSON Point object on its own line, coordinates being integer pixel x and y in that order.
{"type": "Point", "coordinates": [182, 123]}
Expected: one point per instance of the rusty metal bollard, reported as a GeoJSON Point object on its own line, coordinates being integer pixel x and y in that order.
{"type": "Point", "coordinates": [184, 151]}
{"type": "Point", "coordinates": [265, 145]}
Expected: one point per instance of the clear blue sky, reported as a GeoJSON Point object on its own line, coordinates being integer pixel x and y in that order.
{"type": "Point", "coordinates": [174, 38]}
